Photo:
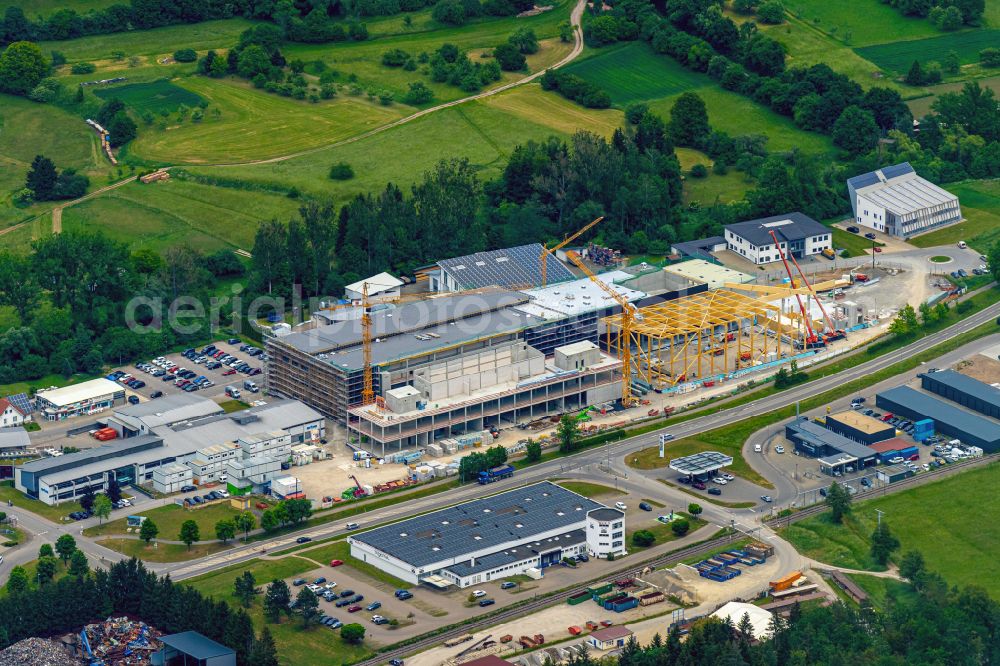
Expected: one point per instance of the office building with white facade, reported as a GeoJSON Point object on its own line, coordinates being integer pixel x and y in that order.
{"type": "Point", "coordinates": [490, 538]}
{"type": "Point", "coordinates": [898, 202]}
{"type": "Point", "coordinates": [798, 236]}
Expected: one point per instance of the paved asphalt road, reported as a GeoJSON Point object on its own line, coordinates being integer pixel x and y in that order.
{"type": "Point", "coordinates": [583, 463]}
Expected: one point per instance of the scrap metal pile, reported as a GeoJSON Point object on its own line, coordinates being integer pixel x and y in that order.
{"type": "Point", "coordinates": [37, 652]}
{"type": "Point", "coordinates": [119, 641]}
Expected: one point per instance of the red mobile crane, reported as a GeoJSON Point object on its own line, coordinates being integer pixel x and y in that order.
{"type": "Point", "coordinates": [812, 341]}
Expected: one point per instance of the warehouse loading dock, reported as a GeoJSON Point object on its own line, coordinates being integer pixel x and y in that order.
{"type": "Point", "coordinates": [948, 418]}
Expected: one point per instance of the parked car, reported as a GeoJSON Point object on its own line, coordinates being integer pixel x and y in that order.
{"type": "Point", "coordinates": [698, 484]}
{"type": "Point", "coordinates": [375, 605]}
{"type": "Point", "coordinates": [486, 602]}
{"type": "Point", "coordinates": [187, 489]}
{"type": "Point", "coordinates": [320, 580]}
{"type": "Point", "coordinates": [896, 461]}
{"type": "Point", "coordinates": [645, 506]}
{"type": "Point", "coordinates": [298, 582]}
{"type": "Point", "coordinates": [133, 400]}
{"type": "Point", "coordinates": [507, 584]}
{"type": "Point", "coordinates": [336, 563]}
{"type": "Point", "coordinates": [478, 594]}
{"type": "Point", "coordinates": [853, 230]}
{"type": "Point", "coordinates": [779, 449]}
{"type": "Point", "coordinates": [346, 594]}
{"type": "Point", "coordinates": [354, 609]}
{"type": "Point", "coordinates": [870, 236]}
{"type": "Point", "coordinates": [714, 491]}
{"type": "Point", "coordinates": [621, 506]}
{"type": "Point", "coordinates": [866, 482]}
{"type": "Point", "coordinates": [395, 662]}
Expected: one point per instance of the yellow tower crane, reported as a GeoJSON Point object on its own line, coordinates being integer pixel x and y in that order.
{"type": "Point", "coordinates": [629, 314]}
{"type": "Point", "coordinates": [367, 389]}
{"type": "Point", "coordinates": [544, 259]}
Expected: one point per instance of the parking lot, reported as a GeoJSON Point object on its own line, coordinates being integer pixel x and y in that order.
{"type": "Point", "coordinates": [164, 376]}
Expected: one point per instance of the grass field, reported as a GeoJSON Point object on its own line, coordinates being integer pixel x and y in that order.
{"type": "Point", "coordinates": [661, 531]}
{"type": "Point", "coordinates": [588, 489]}
{"type": "Point", "coordinates": [933, 518]}
{"type": "Point", "coordinates": [33, 8]}
{"type": "Point", "coordinates": [807, 45]}
{"type": "Point", "coordinates": [28, 129]}
{"type": "Point", "coordinates": [158, 41]}
{"type": "Point", "coordinates": [176, 212]}
{"type": "Point", "coordinates": [860, 22]}
{"type": "Point", "coordinates": [716, 189]}
{"type": "Point", "coordinates": [53, 513]}
{"type": "Point", "coordinates": [155, 96]}
{"type": "Point", "coordinates": [169, 518]}
{"type": "Point", "coordinates": [922, 105]}
{"type": "Point", "coordinates": [980, 201]}
{"type": "Point", "coordinates": [736, 114]}
{"type": "Point", "coordinates": [162, 552]}
{"type": "Point", "coordinates": [483, 132]}
{"type": "Point", "coordinates": [256, 125]}
{"type": "Point", "coordinates": [881, 591]}
{"type": "Point", "coordinates": [633, 72]}
{"type": "Point", "coordinates": [898, 56]}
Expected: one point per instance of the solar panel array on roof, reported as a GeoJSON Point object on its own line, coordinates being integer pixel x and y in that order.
{"type": "Point", "coordinates": [21, 403]}
{"type": "Point", "coordinates": [454, 532]}
{"type": "Point", "coordinates": [512, 267]}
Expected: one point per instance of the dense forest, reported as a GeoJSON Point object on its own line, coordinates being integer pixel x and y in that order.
{"type": "Point", "coordinates": [128, 588]}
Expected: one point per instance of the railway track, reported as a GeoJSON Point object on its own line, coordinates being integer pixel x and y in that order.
{"type": "Point", "coordinates": [672, 557]}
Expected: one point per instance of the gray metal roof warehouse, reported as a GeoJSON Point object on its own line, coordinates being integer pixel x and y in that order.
{"type": "Point", "coordinates": [453, 532]}
{"type": "Point", "coordinates": [948, 418]}
{"type": "Point", "coordinates": [818, 441]}
{"type": "Point", "coordinates": [509, 267]}
{"type": "Point", "coordinates": [964, 390]}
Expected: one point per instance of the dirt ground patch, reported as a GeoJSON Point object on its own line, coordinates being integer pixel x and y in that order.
{"type": "Point", "coordinates": [981, 367]}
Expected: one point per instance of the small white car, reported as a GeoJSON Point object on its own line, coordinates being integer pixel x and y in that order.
{"type": "Point", "coordinates": [728, 477]}
{"type": "Point", "coordinates": [757, 448]}
{"type": "Point", "coordinates": [719, 480]}
{"type": "Point", "coordinates": [621, 506]}
{"type": "Point", "coordinates": [779, 449]}
{"type": "Point", "coordinates": [478, 594]}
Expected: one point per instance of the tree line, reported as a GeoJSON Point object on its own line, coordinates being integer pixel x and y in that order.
{"type": "Point", "coordinates": [128, 588]}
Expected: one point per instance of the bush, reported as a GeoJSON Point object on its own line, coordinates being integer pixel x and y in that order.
{"type": "Point", "coordinates": [341, 171]}
{"type": "Point", "coordinates": [574, 88]}
{"type": "Point", "coordinates": [395, 58]}
{"type": "Point", "coordinates": [185, 55]}
{"type": "Point", "coordinates": [643, 539]}
{"type": "Point", "coordinates": [46, 91]}
{"type": "Point", "coordinates": [699, 171]}
{"type": "Point", "coordinates": [83, 68]}
{"type": "Point", "coordinates": [510, 57]}
{"type": "Point", "coordinates": [990, 57]}
{"type": "Point", "coordinates": [58, 58]}
{"type": "Point", "coordinates": [680, 527]}
{"type": "Point", "coordinates": [771, 12]}
{"type": "Point", "coordinates": [449, 12]}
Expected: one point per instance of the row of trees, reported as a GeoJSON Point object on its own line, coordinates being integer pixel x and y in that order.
{"type": "Point", "coordinates": [284, 513]}
{"type": "Point", "coordinates": [945, 14]}
{"type": "Point", "coordinates": [128, 588]}
{"type": "Point", "coordinates": [471, 465]}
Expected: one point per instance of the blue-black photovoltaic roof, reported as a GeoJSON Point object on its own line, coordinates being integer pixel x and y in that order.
{"type": "Point", "coordinates": [21, 402]}
{"type": "Point", "coordinates": [454, 532]}
{"type": "Point", "coordinates": [512, 267]}
{"type": "Point", "coordinates": [517, 554]}
{"type": "Point", "coordinates": [932, 407]}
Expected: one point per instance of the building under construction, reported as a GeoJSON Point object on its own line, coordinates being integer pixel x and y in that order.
{"type": "Point", "coordinates": [708, 336]}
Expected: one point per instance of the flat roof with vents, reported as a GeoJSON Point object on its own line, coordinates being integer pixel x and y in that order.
{"type": "Point", "coordinates": [455, 532]}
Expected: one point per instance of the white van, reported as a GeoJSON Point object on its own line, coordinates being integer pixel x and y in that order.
{"type": "Point", "coordinates": [962, 245]}
{"type": "Point", "coordinates": [249, 385]}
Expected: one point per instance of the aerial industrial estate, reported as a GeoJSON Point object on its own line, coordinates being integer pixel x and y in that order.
{"type": "Point", "coordinates": [499, 334]}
